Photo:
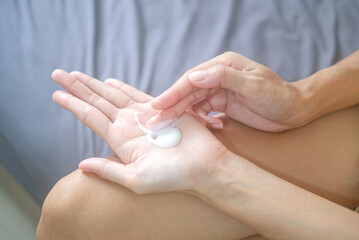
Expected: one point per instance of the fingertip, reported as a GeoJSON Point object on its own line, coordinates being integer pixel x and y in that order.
{"type": "Point", "coordinates": [213, 122]}
{"type": "Point", "coordinates": [84, 166]}
{"type": "Point", "coordinates": [91, 164]}
{"type": "Point", "coordinates": [155, 104]}
{"type": "Point", "coordinates": [197, 76]}
{"type": "Point", "coordinates": [59, 96]}
{"type": "Point", "coordinates": [162, 101]}
{"type": "Point", "coordinates": [200, 79]}
{"type": "Point", "coordinates": [88, 165]}
{"type": "Point", "coordinates": [76, 74]}
{"type": "Point", "coordinates": [57, 73]}
{"type": "Point", "coordinates": [54, 96]}
{"type": "Point", "coordinates": [113, 82]}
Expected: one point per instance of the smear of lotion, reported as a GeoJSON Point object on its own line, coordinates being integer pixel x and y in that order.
{"type": "Point", "coordinates": [161, 136]}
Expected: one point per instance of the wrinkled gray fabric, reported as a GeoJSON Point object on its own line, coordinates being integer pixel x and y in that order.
{"type": "Point", "coordinates": [148, 44]}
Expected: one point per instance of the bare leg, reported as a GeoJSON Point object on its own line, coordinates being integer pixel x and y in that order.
{"type": "Point", "coordinates": [83, 206]}
{"type": "Point", "coordinates": [321, 157]}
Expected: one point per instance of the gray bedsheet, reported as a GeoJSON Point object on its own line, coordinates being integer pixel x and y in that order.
{"type": "Point", "coordinates": [147, 44]}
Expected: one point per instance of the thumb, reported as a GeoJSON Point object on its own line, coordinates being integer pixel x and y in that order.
{"type": "Point", "coordinates": [219, 76]}
{"type": "Point", "coordinates": [108, 169]}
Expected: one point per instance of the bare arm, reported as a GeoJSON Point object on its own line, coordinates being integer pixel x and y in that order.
{"type": "Point", "coordinates": [330, 89]}
{"type": "Point", "coordinates": [275, 208]}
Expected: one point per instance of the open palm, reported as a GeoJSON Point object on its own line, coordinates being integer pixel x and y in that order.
{"type": "Point", "coordinates": [109, 110]}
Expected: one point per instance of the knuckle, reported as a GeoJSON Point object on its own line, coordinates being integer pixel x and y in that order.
{"type": "Point", "coordinates": [173, 113]}
{"type": "Point", "coordinates": [104, 171]}
{"type": "Point", "coordinates": [126, 102]}
{"type": "Point", "coordinates": [220, 71]}
{"type": "Point", "coordinates": [94, 99]}
{"type": "Point", "coordinates": [114, 113]}
{"type": "Point", "coordinates": [229, 58]}
{"type": "Point", "coordinates": [86, 114]}
{"type": "Point", "coordinates": [191, 99]}
{"type": "Point", "coordinates": [229, 54]}
{"type": "Point", "coordinates": [189, 71]}
{"type": "Point", "coordinates": [68, 102]}
{"type": "Point", "coordinates": [72, 85]}
{"type": "Point", "coordinates": [110, 92]}
{"type": "Point", "coordinates": [198, 95]}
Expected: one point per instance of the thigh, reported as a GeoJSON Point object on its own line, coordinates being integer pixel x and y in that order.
{"type": "Point", "coordinates": [84, 206]}
{"type": "Point", "coordinates": [321, 157]}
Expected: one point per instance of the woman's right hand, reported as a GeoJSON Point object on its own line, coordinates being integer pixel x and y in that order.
{"type": "Point", "coordinates": [244, 90]}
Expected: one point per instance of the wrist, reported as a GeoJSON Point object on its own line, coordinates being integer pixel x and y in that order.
{"type": "Point", "coordinates": [222, 171]}
{"type": "Point", "coordinates": [304, 103]}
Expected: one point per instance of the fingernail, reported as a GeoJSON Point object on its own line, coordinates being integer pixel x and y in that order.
{"type": "Point", "coordinates": [86, 170]}
{"type": "Point", "coordinates": [197, 76]}
{"type": "Point", "coordinates": [84, 167]}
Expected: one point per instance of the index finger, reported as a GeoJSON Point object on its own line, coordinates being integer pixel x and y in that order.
{"type": "Point", "coordinates": [183, 87]}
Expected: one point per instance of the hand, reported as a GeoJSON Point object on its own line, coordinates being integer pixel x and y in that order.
{"type": "Point", "coordinates": [244, 90]}
{"type": "Point", "coordinates": [109, 110]}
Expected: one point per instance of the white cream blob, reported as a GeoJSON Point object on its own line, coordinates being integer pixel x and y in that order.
{"type": "Point", "coordinates": [167, 137]}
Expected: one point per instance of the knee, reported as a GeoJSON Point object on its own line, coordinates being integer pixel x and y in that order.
{"type": "Point", "coordinates": [81, 206]}
{"type": "Point", "coordinates": [59, 211]}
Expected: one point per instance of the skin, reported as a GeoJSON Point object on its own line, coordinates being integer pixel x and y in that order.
{"type": "Point", "coordinates": [212, 173]}
{"type": "Point", "coordinates": [113, 110]}
{"type": "Point", "coordinates": [82, 205]}
{"type": "Point", "coordinates": [244, 90]}
{"type": "Point", "coordinates": [251, 93]}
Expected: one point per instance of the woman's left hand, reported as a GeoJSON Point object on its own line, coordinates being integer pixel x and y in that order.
{"type": "Point", "coordinates": [109, 110]}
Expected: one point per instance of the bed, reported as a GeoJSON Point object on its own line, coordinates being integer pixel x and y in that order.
{"type": "Point", "coordinates": [147, 44]}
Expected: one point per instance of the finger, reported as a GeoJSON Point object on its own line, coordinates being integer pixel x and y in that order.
{"type": "Point", "coordinates": [130, 91]}
{"type": "Point", "coordinates": [81, 91]}
{"type": "Point", "coordinates": [181, 88]}
{"type": "Point", "coordinates": [88, 115]}
{"type": "Point", "coordinates": [203, 108]}
{"type": "Point", "coordinates": [222, 76]}
{"type": "Point", "coordinates": [184, 86]}
{"type": "Point", "coordinates": [216, 102]}
{"type": "Point", "coordinates": [113, 171]}
{"type": "Point", "coordinates": [213, 122]}
{"type": "Point", "coordinates": [113, 95]}
{"type": "Point", "coordinates": [195, 115]}
{"type": "Point", "coordinates": [179, 108]}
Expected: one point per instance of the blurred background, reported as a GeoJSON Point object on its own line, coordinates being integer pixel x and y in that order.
{"type": "Point", "coordinates": [148, 44]}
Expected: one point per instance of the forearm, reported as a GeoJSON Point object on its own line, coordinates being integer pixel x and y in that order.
{"type": "Point", "coordinates": [328, 90]}
{"type": "Point", "coordinates": [274, 207]}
